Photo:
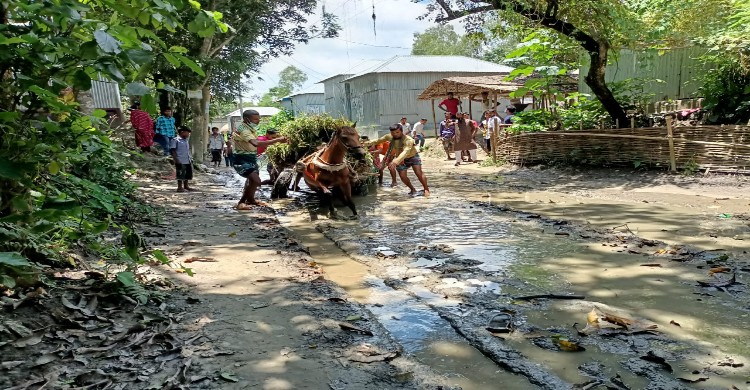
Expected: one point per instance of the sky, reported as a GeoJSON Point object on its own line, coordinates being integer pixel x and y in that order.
{"type": "Point", "coordinates": [396, 23]}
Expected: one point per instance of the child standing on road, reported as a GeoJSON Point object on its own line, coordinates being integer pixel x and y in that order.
{"type": "Point", "coordinates": [183, 162]}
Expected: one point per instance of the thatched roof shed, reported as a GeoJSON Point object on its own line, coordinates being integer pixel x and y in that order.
{"type": "Point", "coordinates": [472, 85]}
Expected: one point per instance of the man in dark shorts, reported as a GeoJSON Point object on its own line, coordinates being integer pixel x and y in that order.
{"type": "Point", "coordinates": [246, 145]}
{"type": "Point", "coordinates": [215, 145]}
{"type": "Point", "coordinates": [183, 162]}
{"type": "Point", "coordinates": [407, 157]}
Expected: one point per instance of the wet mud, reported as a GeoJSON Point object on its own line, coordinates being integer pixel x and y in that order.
{"type": "Point", "coordinates": [443, 273]}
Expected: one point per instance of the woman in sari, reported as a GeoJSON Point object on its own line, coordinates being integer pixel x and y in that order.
{"type": "Point", "coordinates": [143, 126]}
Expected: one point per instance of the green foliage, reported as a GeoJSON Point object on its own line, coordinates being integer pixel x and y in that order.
{"type": "Point", "coordinates": [443, 40]}
{"type": "Point", "coordinates": [305, 134]}
{"type": "Point", "coordinates": [275, 122]}
{"type": "Point", "coordinates": [726, 89]}
{"type": "Point", "coordinates": [63, 181]}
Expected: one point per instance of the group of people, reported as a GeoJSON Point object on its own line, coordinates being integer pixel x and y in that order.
{"type": "Point", "coordinates": [461, 134]}
{"type": "Point", "coordinates": [147, 131]}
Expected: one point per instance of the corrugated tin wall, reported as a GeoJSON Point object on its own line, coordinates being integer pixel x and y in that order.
{"type": "Point", "coordinates": [335, 97]}
{"type": "Point", "coordinates": [106, 94]}
{"type": "Point", "coordinates": [309, 103]}
{"type": "Point", "coordinates": [677, 68]}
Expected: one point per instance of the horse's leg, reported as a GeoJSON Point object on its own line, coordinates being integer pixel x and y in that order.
{"type": "Point", "coordinates": [346, 191]}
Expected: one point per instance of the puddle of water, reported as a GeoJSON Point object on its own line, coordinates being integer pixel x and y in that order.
{"type": "Point", "coordinates": [423, 334]}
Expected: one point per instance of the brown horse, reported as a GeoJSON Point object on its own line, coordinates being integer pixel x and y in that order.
{"type": "Point", "coordinates": [328, 168]}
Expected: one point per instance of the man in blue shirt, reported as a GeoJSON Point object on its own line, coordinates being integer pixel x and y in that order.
{"type": "Point", "coordinates": [165, 129]}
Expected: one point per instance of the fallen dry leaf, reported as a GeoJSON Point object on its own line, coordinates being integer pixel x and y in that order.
{"type": "Point", "coordinates": [352, 328]}
{"type": "Point", "coordinates": [201, 259]}
{"type": "Point", "coordinates": [719, 270]}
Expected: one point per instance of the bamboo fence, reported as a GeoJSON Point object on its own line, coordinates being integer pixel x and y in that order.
{"type": "Point", "coordinates": [712, 147]}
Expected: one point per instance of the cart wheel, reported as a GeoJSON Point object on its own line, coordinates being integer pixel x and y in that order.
{"type": "Point", "coordinates": [281, 186]}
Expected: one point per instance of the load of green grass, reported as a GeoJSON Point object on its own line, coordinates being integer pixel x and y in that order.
{"type": "Point", "coordinates": [306, 134]}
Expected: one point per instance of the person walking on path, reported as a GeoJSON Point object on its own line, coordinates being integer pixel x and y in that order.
{"type": "Point", "coordinates": [183, 162]}
{"type": "Point", "coordinates": [465, 129]}
{"type": "Point", "coordinates": [143, 126]}
{"type": "Point", "coordinates": [215, 146]}
{"type": "Point", "coordinates": [417, 132]}
{"type": "Point", "coordinates": [228, 152]}
{"type": "Point", "coordinates": [407, 157]}
{"type": "Point", "coordinates": [165, 129]}
{"type": "Point", "coordinates": [447, 134]}
{"type": "Point", "coordinates": [450, 104]}
{"type": "Point", "coordinates": [246, 145]}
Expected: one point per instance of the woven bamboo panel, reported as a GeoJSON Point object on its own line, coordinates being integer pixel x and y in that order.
{"type": "Point", "coordinates": [701, 146]}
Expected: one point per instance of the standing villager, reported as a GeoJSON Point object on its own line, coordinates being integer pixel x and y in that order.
{"type": "Point", "coordinates": [464, 139]}
{"type": "Point", "coordinates": [447, 134]}
{"type": "Point", "coordinates": [405, 126]}
{"type": "Point", "coordinates": [485, 100]}
{"type": "Point", "coordinates": [406, 157]}
{"type": "Point", "coordinates": [215, 146]}
{"type": "Point", "coordinates": [246, 145]}
{"type": "Point", "coordinates": [417, 132]}
{"type": "Point", "coordinates": [492, 124]}
{"type": "Point", "coordinates": [228, 152]}
{"type": "Point", "coordinates": [450, 104]}
{"type": "Point", "coordinates": [510, 112]}
{"type": "Point", "coordinates": [183, 161]}
{"type": "Point", "coordinates": [165, 129]}
{"type": "Point", "coordinates": [143, 126]}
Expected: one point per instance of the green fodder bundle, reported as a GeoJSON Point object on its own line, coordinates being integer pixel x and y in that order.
{"type": "Point", "coordinates": [305, 135]}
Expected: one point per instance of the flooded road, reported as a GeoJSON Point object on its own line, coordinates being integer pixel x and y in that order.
{"type": "Point", "coordinates": [435, 270]}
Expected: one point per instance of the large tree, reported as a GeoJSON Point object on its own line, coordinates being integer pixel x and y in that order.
{"type": "Point", "coordinates": [594, 24]}
{"type": "Point", "coordinates": [234, 40]}
{"type": "Point", "coordinates": [444, 40]}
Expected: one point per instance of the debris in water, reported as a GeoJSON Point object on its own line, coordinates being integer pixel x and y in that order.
{"type": "Point", "coordinates": [673, 322]}
{"type": "Point", "coordinates": [550, 296]}
{"type": "Point", "coordinates": [721, 284]}
{"type": "Point", "coordinates": [500, 323]}
{"type": "Point", "coordinates": [352, 328]}
{"type": "Point", "coordinates": [654, 358]}
{"type": "Point", "coordinates": [200, 259]}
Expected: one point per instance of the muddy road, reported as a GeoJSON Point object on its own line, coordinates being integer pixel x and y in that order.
{"type": "Point", "coordinates": [453, 279]}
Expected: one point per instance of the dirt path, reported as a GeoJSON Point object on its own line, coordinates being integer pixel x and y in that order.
{"type": "Point", "coordinates": [260, 298]}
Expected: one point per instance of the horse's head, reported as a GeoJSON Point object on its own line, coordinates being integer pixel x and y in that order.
{"type": "Point", "coordinates": [349, 137]}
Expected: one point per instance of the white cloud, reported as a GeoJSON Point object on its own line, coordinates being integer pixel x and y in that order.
{"type": "Point", "coordinates": [396, 23]}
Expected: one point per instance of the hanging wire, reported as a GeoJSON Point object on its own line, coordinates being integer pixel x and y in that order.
{"type": "Point", "coordinates": [374, 31]}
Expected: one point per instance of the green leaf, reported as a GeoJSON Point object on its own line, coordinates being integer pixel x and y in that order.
{"type": "Point", "coordinates": [355, 317]}
{"type": "Point", "coordinates": [137, 89]}
{"type": "Point", "coordinates": [126, 278]}
{"type": "Point", "coordinates": [192, 65]}
{"type": "Point", "coordinates": [178, 50]}
{"type": "Point", "coordinates": [11, 170]}
{"type": "Point", "coordinates": [9, 116]}
{"type": "Point", "coordinates": [159, 255]}
{"type": "Point", "coordinates": [82, 80]}
{"type": "Point", "coordinates": [148, 104]}
{"type": "Point", "coordinates": [172, 59]}
{"type": "Point", "coordinates": [107, 42]}
{"type": "Point", "coordinates": [53, 167]}
{"type": "Point", "coordinates": [13, 259]}
{"type": "Point", "coordinates": [11, 41]}
{"type": "Point", "coordinates": [140, 57]}
{"type": "Point", "coordinates": [187, 271]}
{"type": "Point", "coordinates": [7, 281]}
{"type": "Point", "coordinates": [99, 113]}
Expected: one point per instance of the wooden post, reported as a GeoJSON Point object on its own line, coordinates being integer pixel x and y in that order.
{"type": "Point", "coordinates": [434, 120]}
{"type": "Point", "coordinates": [632, 122]}
{"type": "Point", "coordinates": [670, 139]}
{"type": "Point", "coordinates": [471, 114]}
{"type": "Point", "coordinates": [493, 138]}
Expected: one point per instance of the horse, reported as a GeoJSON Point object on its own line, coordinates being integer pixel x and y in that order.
{"type": "Point", "coordinates": [327, 168]}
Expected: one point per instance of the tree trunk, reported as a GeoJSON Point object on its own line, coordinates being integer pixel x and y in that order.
{"type": "Point", "coordinates": [596, 81]}
{"type": "Point", "coordinates": [199, 136]}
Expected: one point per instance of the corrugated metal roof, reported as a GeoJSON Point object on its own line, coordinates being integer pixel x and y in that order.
{"type": "Point", "coordinates": [356, 69]}
{"type": "Point", "coordinates": [429, 64]}
{"type": "Point", "coordinates": [312, 89]}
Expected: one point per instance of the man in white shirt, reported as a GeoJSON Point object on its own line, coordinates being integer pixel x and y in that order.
{"type": "Point", "coordinates": [417, 132]}
{"type": "Point", "coordinates": [491, 123]}
{"type": "Point", "coordinates": [405, 126]}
